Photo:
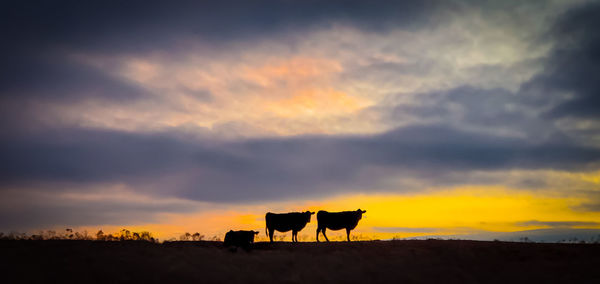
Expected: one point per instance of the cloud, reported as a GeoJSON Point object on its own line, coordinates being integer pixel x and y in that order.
{"type": "Point", "coordinates": [139, 25]}
{"type": "Point", "coordinates": [43, 41]}
{"type": "Point", "coordinates": [495, 110]}
{"type": "Point", "coordinates": [25, 209]}
{"type": "Point", "coordinates": [272, 168]}
{"type": "Point", "coordinates": [97, 155]}
{"type": "Point", "coordinates": [571, 69]}
{"type": "Point", "coordinates": [558, 224]}
{"type": "Point", "coordinates": [73, 61]}
{"type": "Point", "coordinates": [557, 84]}
{"type": "Point", "coordinates": [540, 235]}
{"type": "Point", "coordinates": [589, 206]}
{"type": "Point", "coordinates": [144, 93]}
{"type": "Point", "coordinates": [592, 203]}
{"type": "Point", "coordinates": [62, 81]}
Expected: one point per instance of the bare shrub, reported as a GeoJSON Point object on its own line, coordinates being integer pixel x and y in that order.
{"type": "Point", "coordinates": [197, 237]}
{"type": "Point", "coordinates": [185, 237]}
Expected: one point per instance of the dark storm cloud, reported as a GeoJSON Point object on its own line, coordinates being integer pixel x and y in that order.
{"type": "Point", "coordinates": [131, 25]}
{"type": "Point", "coordinates": [480, 105]}
{"type": "Point", "coordinates": [592, 203]}
{"type": "Point", "coordinates": [573, 66]}
{"type": "Point", "coordinates": [92, 155]}
{"type": "Point", "coordinates": [271, 168]}
{"type": "Point", "coordinates": [61, 80]}
{"type": "Point", "coordinates": [495, 109]}
{"type": "Point", "coordinates": [38, 210]}
{"type": "Point", "coordinates": [592, 206]}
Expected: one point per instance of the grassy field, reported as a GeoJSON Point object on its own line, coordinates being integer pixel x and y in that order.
{"type": "Point", "coordinates": [414, 261]}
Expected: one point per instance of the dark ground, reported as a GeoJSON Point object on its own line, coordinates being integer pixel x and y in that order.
{"type": "Point", "coordinates": [414, 261]}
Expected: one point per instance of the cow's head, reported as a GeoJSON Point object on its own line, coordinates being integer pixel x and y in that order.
{"type": "Point", "coordinates": [307, 215]}
{"type": "Point", "coordinates": [360, 212]}
{"type": "Point", "coordinates": [251, 236]}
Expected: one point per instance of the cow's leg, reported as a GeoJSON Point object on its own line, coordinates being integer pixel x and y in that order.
{"type": "Point", "coordinates": [294, 237]}
{"type": "Point", "coordinates": [318, 229]}
{"type": "Point", "coordinates": [323, 230]}
{"type": "Point", "coordinates": [348, 234]}
{"type": "Point", "coordinates": [271, 231]}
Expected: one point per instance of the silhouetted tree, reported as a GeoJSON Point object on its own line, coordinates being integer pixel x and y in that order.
{"type": "Point", "coordinates": [125, 235]}
{"type": "Point", "coordinates": [146, 236]}
{"type": "Point", "coordinates": [36, 237]}
{"type": "Point", "coordinates": [69, 233]}
{"type": "Point", "coordinates": [100, 236]}
{"type": "Point", "coordinates": [50, 235]}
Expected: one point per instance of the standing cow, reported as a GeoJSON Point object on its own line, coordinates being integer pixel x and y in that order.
{"type": "Point", "coordinates": [284, 222]}
{"type": "Point", "coordinates": [337, 221]}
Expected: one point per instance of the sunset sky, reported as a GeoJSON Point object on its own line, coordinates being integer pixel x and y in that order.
{"type": "Point", "coordinates": [437, 117]}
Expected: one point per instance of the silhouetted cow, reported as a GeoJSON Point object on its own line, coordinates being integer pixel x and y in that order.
{"type": "Point", "coordinates": [337, 221]}
{"type": "Point", "coordinates": [239, 238]}
{"type": "Point", "coordinates": [284, 222]}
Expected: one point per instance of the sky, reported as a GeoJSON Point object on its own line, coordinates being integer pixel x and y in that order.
{"type": "Point", "coordinates": [436, 117]}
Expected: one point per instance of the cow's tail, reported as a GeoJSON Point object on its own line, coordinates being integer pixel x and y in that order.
{"type": "Point", "coordinates": [267, 230]}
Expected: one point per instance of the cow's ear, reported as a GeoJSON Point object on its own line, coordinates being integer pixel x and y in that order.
{"type": "Point", "coordinates": [363, 211]}
{"type": "Point", "coordinates": [312, 213]}
{"type": "Point", "coordinates": [255, 232]}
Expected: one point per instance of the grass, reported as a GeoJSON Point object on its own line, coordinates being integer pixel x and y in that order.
{"type": "Point", "coordinates": [407, 261]}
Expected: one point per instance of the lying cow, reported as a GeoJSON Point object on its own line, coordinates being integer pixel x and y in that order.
{"type": "Point", "coordinates": [337, 221]}
{"type": "Point", "coordinates": [239, 238]}
{"type": "Point", "coordinates": [284, 222]}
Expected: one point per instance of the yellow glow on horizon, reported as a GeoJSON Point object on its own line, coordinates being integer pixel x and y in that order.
{"type": "Point", "coordinates": [449, 212]}
{"type": "Point", "coordinates": [489, 208]}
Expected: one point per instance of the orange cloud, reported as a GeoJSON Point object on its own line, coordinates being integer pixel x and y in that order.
{"type": "Point", "coordinates": [269, 94]}
{"type": "Point", "coordinates": [314, 102]}
{"type": "Point", "coordinates": [292, 71]}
